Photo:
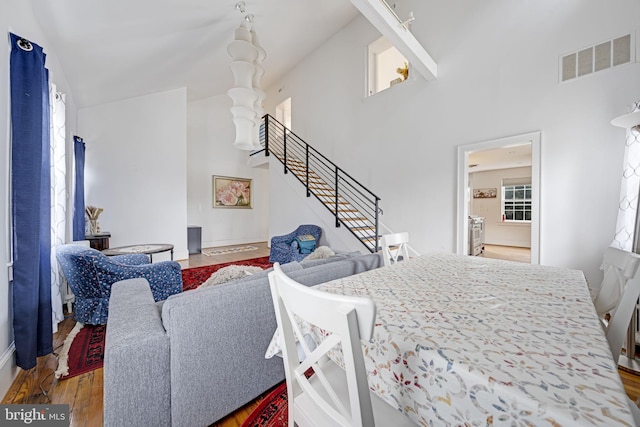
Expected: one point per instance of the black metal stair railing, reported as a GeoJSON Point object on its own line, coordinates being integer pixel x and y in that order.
{"type": "Point", "coordinates": [352, 204]}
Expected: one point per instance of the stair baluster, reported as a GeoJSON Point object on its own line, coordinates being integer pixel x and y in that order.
{"type": "Point", "coordinates": [352, 204]}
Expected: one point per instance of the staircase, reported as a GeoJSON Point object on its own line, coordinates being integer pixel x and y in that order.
{"type": "Point", "coordinates": [352, 205]}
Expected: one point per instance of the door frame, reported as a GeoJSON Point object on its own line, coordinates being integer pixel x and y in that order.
{"type": "Point", "coordinates": [462, 240]}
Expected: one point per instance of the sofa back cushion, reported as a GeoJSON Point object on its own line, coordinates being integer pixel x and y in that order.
{"type": "Point", "coordinates": [208, 294]}
{"type": "Point", "coordinates": [341, 266]}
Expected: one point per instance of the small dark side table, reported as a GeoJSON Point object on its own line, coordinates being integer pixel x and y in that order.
{"type": "Point", "coordinates": [99, 241]}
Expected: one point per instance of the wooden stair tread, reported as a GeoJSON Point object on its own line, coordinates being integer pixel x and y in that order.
{"type": "Point", "coordinates": [347, 218]}
{"type": "Point", "coordinates": [362, 227]}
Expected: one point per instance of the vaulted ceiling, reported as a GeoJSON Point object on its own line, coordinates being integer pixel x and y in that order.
{"type": "Point", "coordinates": [117, 49]}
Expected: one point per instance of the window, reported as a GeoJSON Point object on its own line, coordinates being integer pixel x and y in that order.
{"type": "Point", "coordinates": [387, 66]}
{"type": "Point", "coordinates": [516, 202]}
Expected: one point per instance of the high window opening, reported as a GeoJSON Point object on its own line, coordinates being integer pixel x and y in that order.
{"type": "Point", "coordinates": [386, 66]}
{"type": "Point", "coordinates": [283, 113]}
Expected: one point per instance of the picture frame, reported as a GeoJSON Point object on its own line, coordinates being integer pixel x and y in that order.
{"type": "Point", "coordinates": [485, 193]}
{"type": "Point", "coordinates": [232, 192]}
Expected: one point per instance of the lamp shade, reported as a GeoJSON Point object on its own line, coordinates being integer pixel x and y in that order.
{"type": "Point", "coordinates": [247, 96]}
{"type": "Point", "coordinates": [243, 113]}
{"type": "Point", "coordinates": [243, 73]}
{"type": "Point", "coordinates": [240, 50]}
{"type": "Point", "coordinates": [627, 120]}
{"type": "Point", "coordinates": [262, 54]}
{"type": "Point", "coordinates": [242, 97]}
{"type": "Point", "coordinates": [243, 32]}
{"type": "Point", "coordinates": [244, 133]}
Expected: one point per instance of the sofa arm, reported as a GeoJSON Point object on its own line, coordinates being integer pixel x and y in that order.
{"type": "Point", "coordinates": [165, 278]}
{"type": "Point", "coordinates": [137, 387]}
{"type": "Point", "coordinates": [284, 240]}
{"type": "Point", "coordinates": [218, 339]}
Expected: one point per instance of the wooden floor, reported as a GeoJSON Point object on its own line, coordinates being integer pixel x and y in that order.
{"type": "Point", "coordinates": [199, 260]}
{"type": "Point", "coordinates": [509, 253]}
{"type": "Point", "coordinates": [83, 393]}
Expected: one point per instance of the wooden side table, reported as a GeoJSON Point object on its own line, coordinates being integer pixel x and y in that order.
{"type": "Point", "coordinates": [99, 241]}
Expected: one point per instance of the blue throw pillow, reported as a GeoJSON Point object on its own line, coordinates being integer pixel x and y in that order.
{"type": "Point", "coordinates": [306, 243]}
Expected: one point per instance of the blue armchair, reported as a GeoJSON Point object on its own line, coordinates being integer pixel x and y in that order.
{"type": "Point", "coordinates": [285, 248]}
{"type": "Point", "coordinates": [90, 275]}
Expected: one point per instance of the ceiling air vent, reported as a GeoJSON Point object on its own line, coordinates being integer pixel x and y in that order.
{"type": "Point", "coordinates": [596, 58]}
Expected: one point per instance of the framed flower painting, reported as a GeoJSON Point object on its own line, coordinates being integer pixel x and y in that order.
{"type": "Point", "coordinates": [229, 192]}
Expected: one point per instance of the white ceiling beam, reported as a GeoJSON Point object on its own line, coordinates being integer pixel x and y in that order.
{"type": "Point", "coordinates": [387, 22]}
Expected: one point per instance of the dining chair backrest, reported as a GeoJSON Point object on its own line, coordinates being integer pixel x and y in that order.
{"type": "Point", "coordinates": [321, 399]}
{"type": "Point", "coordinates": [616, 300]}
{"type": "Point", "coordinates": [618, 324]}
{"type": "Point", "coordinates": [619, 267]}
{"type": "Point", "coordinates": [395, 247]}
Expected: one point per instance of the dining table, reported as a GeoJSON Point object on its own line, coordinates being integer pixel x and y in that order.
{"type": "Point", "coordinates": [471, 341]}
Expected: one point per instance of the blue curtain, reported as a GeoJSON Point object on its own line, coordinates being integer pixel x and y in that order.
{"type": "Point", "coordinates": [78, 198]}
{"type": "Point", "coordinates": [30, 202]}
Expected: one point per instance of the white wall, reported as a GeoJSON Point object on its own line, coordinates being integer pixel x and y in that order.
{"type": "Point", "coordinates": [136, 169]}
{"type": "Point", "coordinates": [16, 16]}
{"type": "Point", "coordinates": [498, 76]}
{"type": "Point", "coordinates": [498, 232]}
{"type": "Point", "coordinates": [211, 152]}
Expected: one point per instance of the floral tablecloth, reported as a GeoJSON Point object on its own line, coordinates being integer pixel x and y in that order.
{"type": "Point", "coordinates": [474, 341]}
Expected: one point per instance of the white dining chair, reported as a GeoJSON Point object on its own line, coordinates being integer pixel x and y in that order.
{"type": "Point", "coordinates": [616, 301]}
{"type": "Point", "coordinates": [331, 396]}
{"type": "Point", "coordinates": [616, 328]}
{"type": "Point", "coordinates": [395, 247]}
{"type": "Point", "coordinates": [619, 267]}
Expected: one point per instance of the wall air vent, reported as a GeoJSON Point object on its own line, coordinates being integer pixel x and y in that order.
{"type": "Point", "coordinates": [608, 54]}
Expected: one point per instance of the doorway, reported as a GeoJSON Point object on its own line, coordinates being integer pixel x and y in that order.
{"type": "Point", "coordinates": [283, 113]}
{"type": "Point", "coordinates": [508, 198]}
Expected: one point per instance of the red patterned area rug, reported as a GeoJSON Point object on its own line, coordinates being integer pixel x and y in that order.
{"type": "Point", "coordinates": [272, 411]}
{"type": "Point", "coordinates": [87, 351]}
{"type": "Point", "coordinates": [195, 276]}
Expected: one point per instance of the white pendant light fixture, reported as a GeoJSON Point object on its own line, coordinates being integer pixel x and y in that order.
{"type": "Point", "coordinates": [247, 56]}
{"type": "Point", "coordinates": [257, 77]}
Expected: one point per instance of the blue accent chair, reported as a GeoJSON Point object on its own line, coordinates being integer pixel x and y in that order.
{"type": "Point", "coordinates": [90, 275]}
{"type": "Point", "coordinates": [285, 248]}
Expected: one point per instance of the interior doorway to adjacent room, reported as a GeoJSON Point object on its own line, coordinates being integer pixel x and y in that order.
{"type": "Point", "coordinates": [283, 113]}
{"type": "Point", "coordinates": [499, 186]}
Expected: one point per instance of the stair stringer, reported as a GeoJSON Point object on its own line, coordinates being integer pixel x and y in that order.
{"type": "Point", "coordinates": [289, 207]}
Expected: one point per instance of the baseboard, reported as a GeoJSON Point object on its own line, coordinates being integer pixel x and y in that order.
{"type": "Point", "coordinates": [8, 369]}
{"type": "Point", "coordinates": [517, 244]}
{"type": "Point", "coordinates": [233, 242]}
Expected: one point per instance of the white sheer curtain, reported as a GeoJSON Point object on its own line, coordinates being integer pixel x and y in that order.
{"type": "Point", "coordinates": [58, 197]}
{"type": "Point", "coordinates": [629, 191]}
